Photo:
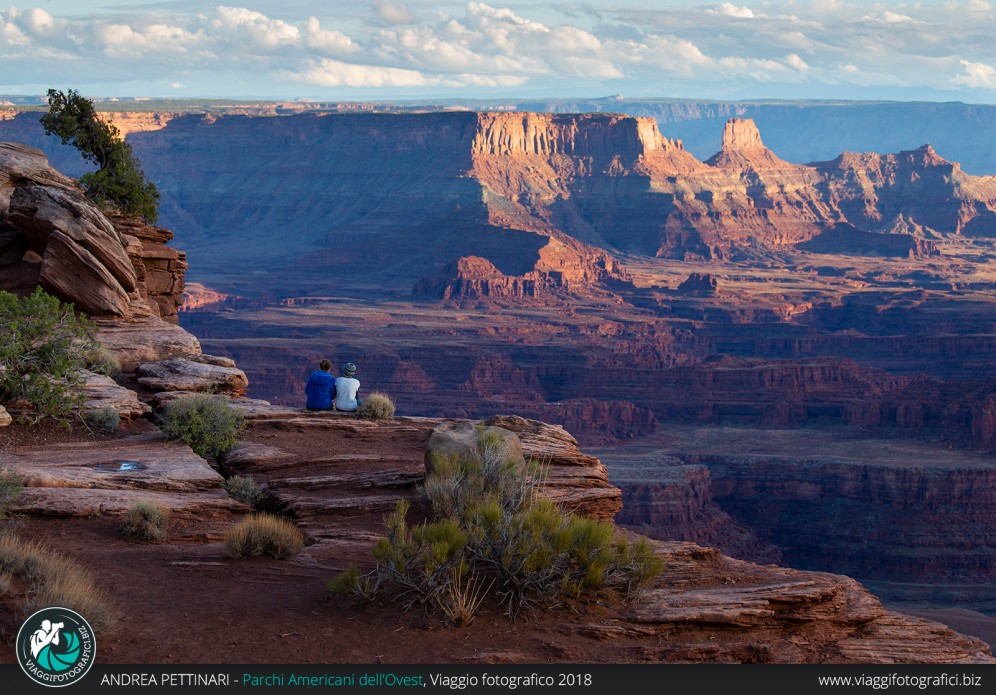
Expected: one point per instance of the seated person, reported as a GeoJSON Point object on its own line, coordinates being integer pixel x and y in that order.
{"type": "Point", "coordinates": [345, 389]}
{"type": "Point", "coordinates": [320, 388]}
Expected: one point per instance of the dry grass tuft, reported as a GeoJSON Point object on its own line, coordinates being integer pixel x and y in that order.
{"type": "Point", "coordinates": [376, 406]}
{"type": "Point", "coordinates": [264, 534]}
{"type": "Point", "coordinates": [146, 521]}
{"type": "Point", "coordinates": [53, 579]}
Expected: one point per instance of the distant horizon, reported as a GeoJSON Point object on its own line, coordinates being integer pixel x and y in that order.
{"type": "Point", "coordinates": [403, 50]}
{"type": "Point", "coordinates": [40, 98]}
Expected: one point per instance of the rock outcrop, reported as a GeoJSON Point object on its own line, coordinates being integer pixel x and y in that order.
{"type": "Point", "coordinates": [106, 477]}
{"type": "Point", "coordinates": [200, 373]}
{"type": "Point", "coordinates": [51, 235]}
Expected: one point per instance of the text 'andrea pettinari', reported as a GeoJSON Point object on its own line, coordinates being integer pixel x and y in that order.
{"type": "Point", "coordinates": [166, 679]}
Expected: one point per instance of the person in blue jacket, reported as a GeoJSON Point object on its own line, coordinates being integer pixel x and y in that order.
{"type": "Point", "coordinates": [320, 388]}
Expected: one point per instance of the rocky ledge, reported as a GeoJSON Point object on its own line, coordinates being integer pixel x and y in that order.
{"type": "Point", "coordinates": [337, 476]}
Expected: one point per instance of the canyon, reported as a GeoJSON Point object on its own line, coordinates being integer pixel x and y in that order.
{"type": "Point", "coordinates": [589, 271]}
{"type": "Point", "coordinates": [175, 594]}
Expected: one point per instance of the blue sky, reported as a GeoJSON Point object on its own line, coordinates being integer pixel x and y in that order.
{"type": "Point", "coordinates": [415, 49]}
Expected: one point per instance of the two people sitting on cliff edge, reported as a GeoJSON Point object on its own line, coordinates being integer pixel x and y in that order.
{"type": "Point", "coordinates": [328, 393]}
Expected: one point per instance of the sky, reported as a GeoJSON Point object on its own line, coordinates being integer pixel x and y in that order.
{"type": "Point", "coordinates": [417, 49]}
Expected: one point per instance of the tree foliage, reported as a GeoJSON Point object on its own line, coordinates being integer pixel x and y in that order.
{"type": "Point", "coordinates": [43, 347]}
{"type": "Point", "coordinates": [119, 181]}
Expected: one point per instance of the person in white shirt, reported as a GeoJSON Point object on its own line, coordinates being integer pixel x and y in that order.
{"type": "Point", "coordinates": [345, 389]}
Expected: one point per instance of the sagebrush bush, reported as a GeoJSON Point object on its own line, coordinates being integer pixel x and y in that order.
{"type": "Point", "coordinates": [376, 406]}
{"type": "Point", "coordinates": [11, 486]}
{"type": "Point", "coordinates": [44, 346]}
{"type": "Point", "coordinates": [52, 579]}
{"type": "Point", "coordinates": [101, 360]}
{"type": "Point", "coordinates": [104, 419]}
{"type": "Point", "coordinates": [207, 423]}
{"type": "Point", "coordinates": [492, 532]}
{"type": "Point", "coordinates": [244, 489]}
{"type": "Point", "coordinates": [264, 534]}
{"type": "Point", "coordinates": [146, 521]}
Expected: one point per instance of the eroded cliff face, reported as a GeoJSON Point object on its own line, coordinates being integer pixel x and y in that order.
{"type": "Point", "coordinates": [431, 189]}
{"type": "Point", "coordinates": [51, 235]}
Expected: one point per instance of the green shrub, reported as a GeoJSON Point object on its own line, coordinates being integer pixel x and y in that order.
{"type": "Point", "coordinates": [264, 534]}
{"type": "Point", "coordinates": [346, 582]}
{"type": "Point", "coordinates": [52, 579]}
{"type": "Point", "coordinates": [11, 485]}
{"type": "Point", "coordinates": [101, 360]}
{"type": "Point", "coordinates": [207, 423]}
{"type": "Point", "coordinates": [105, 419]}
{"type": "Point", "coordinates": [244, 489]}
{"type": "Point", "coordinates": [376, 406]}
{"type": "Point", "coordinates": [146, 521]}
{"type": "Point", "coordinates": [492, 533]}
{"type": "Point", "coordinates": [43, 347]}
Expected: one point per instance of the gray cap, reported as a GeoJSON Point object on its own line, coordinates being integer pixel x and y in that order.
{"type": "Point", "coordinates": [349, 369]}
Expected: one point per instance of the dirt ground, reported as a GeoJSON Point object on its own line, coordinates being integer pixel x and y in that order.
{"type": "Point", "coordinates": [183, 601]}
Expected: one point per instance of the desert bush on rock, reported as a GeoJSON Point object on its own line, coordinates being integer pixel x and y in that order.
{"type": "Point", "coordinates": [102, 361]}
{"type": "Point", "coordinates": [207, 423]}
{"type": "Point", "coordinates": [146, 521]}
{"type": "Point", "coordinates": [52, 579]}
{"type": "Point", "coordinates": [104, 419]}
{"type": "Point", "coordinates": [11, 486]}
{"type": "Point", "coordinates": [43, 347]}
{"type": "Point", "coordinates": [264, 534]}
{"type": "Point", "coordinates": [244, 489]}
{"type": "Point", "coordinates": [376, 406]}
{"type": "Point", "coordinates": [492, 534]}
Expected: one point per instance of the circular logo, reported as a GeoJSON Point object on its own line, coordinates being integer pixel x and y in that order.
{"type": "Point", "coordinates": [56, 647]}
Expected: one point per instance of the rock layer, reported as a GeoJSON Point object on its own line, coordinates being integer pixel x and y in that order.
{"type": "Point", "coordinates": [51, 235]}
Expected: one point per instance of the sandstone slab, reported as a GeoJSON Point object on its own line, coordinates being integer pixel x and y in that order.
{"type": "Point", "coordinates": [196, 373]}
{"type": "Point", "coordinates": [5, 418]}
{"type": "Point", "coordinates": [166, 466]}
{"type": "Point", "coordinates": [89, 502]}
{"type": "Point", "coordinates": [135, 341]}
{"type": "Point", "coordinates": [103, 392]}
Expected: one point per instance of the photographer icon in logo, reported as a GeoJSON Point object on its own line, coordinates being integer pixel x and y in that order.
{"type": "Point", "coordinates": [56, 647]}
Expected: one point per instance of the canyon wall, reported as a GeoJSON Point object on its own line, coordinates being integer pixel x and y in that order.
{"type": "Point", "coordinates": [324, 199]}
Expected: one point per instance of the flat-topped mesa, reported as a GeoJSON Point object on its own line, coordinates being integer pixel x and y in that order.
{"type": "Point", "coordinates": [741, 135]}
{"type": "Point", "coordinates": [743, 148]}
{"type": "Point", "coordinates": [607, 139]}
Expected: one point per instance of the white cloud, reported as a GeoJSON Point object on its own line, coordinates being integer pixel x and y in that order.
{"type": "Point", "coordinates": [977, 75]}
{"type": "Point", "coordinates": [11, 35]}
{"type": "Point", "coordinates": [394, 12]}
{"type": "Point", "coordinates": [890, 17]}
{"type": "Point", "coordinates": [327, 41]}
{"type": "Point", "coordinates": [731, 10]}
{"type": "Point", "coordinates": [632, 48]}
{"type": "Point", "coordinates": [794, 61]}
{"type": "Point", "coordinates": [335, 73]}
{"type": "Point", "coordinates": [257, 28]}
{"type": "Point", "coordinates": [37, 21]}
